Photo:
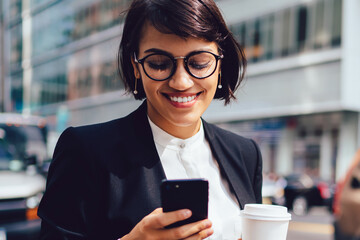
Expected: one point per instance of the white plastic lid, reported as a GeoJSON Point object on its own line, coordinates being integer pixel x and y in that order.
{"type": "Point", "coordinates": [266, 212]}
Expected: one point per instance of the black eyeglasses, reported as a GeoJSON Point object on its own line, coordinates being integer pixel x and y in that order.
{"type": "Point", "coordinates": [162, 66]}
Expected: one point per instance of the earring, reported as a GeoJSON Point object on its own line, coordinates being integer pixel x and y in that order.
{"type": "Point", "coordinates": [219, 85]}
{"type": "Point", "coordinates": [135, 91]}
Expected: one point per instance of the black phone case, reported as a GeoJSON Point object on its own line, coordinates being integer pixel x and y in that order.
{"type": "Point", "coordinates": [190, 194]}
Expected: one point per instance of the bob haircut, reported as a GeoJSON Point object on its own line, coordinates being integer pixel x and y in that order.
{"type": "Point", "coordinates": [187, 19]}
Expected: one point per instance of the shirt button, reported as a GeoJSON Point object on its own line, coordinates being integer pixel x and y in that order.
{"type": "Point", "coordinates": [182, 145]}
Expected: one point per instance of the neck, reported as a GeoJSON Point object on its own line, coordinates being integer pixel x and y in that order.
{"type": "Point", "coordinates": [176, 130]}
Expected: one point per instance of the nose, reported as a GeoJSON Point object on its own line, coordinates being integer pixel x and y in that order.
{"type": "Point", "coordinates": [181, 80]}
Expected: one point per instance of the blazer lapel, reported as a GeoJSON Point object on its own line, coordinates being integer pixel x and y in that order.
{"type": "Point", "coordinates": [141, 140]}
{"type": "Point", "coordinates": [143, 149]}
{"type": "Point", "coordinates": [231, 166]}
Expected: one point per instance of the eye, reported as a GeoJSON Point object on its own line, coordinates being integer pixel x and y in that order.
{"type": "Point", "coordinates": [158, 65]}
{"type": "Point", "coordinates": [199, 65]}
{"type": "Point", "coordinates": [158, 62]}
{"type": "Point", "coordinates": [201, 61]}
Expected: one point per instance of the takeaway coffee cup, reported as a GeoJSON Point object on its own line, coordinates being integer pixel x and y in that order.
{"type": "Point", "coordinates": [264, 222]}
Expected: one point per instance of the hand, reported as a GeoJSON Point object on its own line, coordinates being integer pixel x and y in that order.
{"type": "Point", "coordinates": [152, 227]}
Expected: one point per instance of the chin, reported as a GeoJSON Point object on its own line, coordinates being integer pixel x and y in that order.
{"type": "Point", "coordinates": [185, 122]}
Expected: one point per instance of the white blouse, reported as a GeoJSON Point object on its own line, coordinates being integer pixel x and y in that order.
{"type": "Point", "coordinates": [192, 158]}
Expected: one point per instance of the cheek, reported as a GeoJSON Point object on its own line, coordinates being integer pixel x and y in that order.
{"type": "Point", "coordinates": [150, 87]}
{"type": "Point", "coordinates": [147, 89]}
{"type": "Point", "coordinates": [212, 84]}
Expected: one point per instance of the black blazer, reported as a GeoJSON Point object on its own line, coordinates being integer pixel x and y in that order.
{"type": "Point", "coordinates": [105, 178]}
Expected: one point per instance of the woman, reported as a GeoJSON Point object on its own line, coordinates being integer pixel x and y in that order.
{"type": "Point", "coordinates": [104, 181]}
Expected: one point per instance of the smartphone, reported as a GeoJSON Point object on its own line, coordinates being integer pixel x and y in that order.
{"type": "Point", "coordinates": [190, 194]}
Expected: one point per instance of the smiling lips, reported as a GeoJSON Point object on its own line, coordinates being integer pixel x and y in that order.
{"type": "Point", "coordinates": [182, 101]}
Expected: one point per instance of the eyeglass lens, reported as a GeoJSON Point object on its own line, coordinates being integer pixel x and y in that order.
{"type": "Point", "coordinates": [160, 67]}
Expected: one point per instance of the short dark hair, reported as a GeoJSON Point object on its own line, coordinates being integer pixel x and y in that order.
{"type": "Point", "coordinates": [185, 18]}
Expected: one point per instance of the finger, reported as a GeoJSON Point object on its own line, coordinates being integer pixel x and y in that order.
{"type": "Point", "coordinates": [158, 219]}
{"type": "Point", "coordinates": [197, 228]}
{"type": "Point", "coordinates": [157, 211]}
{"type": "Point", "coordinates": [201, 235]}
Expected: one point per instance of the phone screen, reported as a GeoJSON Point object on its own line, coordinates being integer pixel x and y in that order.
{"type": "Point", "coordinates": [190, 194]}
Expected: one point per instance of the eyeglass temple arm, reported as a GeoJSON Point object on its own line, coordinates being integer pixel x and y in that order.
{"type": "Point", "coordinates": [135, 58]}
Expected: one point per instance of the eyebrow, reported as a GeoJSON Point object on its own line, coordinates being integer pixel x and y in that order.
{"type": "Point", "coordinates": [156, 50]}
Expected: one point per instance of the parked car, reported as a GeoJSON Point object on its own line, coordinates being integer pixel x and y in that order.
{"type": "Point", "coordinates": [22, 152]}
{"type": "Point", "coordinates": [303, 192]}
{"type": "Point", "coordinates": [347, 203]}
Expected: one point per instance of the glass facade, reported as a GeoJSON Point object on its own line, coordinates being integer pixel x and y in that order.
{"type": "Point", "coordinates": [291, 31]}
{"type": "Point", "coordinates": [69, 21]}
{"type": "Point", "coordinates": [72, 53]}
{"type": "Point", "coordinates": [15, 9]}
{"type": "Point", "coordinates": [16, 47]}
{"type": "Point", "coordinates": [2, 68]}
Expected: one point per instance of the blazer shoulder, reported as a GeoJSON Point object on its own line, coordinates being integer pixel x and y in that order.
{"type": "Point", "coordinates": [117, 128]}
{"type": "Point", "coordinates": [105, 130]}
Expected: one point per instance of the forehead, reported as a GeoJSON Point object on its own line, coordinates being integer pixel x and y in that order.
{"type": "Point", "coordinates": [178, 46]}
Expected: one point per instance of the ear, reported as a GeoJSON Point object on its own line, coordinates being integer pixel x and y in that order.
{"type": "Point", "coordinates": [135, 67]}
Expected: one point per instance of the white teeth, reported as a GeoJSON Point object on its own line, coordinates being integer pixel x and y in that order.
{"type": "Point", "coordinates": [182, 99]}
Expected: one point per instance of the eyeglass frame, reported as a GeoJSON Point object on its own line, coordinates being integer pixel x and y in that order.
{"type": "Point", "coordinates": [174, 60]}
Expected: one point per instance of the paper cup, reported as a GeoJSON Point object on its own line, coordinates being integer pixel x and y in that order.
{"type": "Point", "coordinates": [264, 222]}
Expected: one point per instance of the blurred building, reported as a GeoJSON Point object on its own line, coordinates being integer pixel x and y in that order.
{"type": "Point", "coordinates": [300, 99]}
{"type": "Point", "coordinates": [301, 96]}
{"type": "Point", "coordinates": [1, 59]}
{"type": "Point", "coordinates": [62, 53]}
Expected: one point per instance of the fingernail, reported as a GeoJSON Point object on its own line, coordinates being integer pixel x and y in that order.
{"type": "Point", "coordinates": [187, 213]}
{"type": "Point", "coordinates": [207, 224]}
{"type": "Point", "coordinates": [209, 232]}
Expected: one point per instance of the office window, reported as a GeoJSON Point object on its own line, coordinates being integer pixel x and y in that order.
{"type": "Point", "coordinates": [286, 31]}
{"type": "Point", "coordinates": [320, 31]}
{"type": "Point", "coordinates": [52, 28]}
{"type": "Point", "coordinates": [49, 83]}
{"type": "Point", "coordinates": [257, 48]}
{"type": "Point", "coordinates": [17, 92]}
{"type": "Point", "coordinates": [105, 18]}
{"type": "Point", "coordinates": [251, 37]}
{"type": "Point", "coordinates": [68, 21]}
{"type": "Point", "coordinates": [243, 35]}
{"type": "Point", "coordinates": [16, 47]}
{"type": "Point", "coordinates": [239, 32]}
{"type": "Point", "coordinates": [109, 79]}
{"type": "Point", "coordinates": [268, 36]}
{"type": "Point", "coordinates": [302, 17]}
{"type": "Point", "coordinates": [316, 25]}
{"type": "Point", "coordinates": [15, 8]}
{"type": "Point", "coordinates": [336, 24]}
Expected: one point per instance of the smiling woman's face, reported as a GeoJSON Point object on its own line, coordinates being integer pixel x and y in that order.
{"type": "Point", "coordinates": [176, 104]}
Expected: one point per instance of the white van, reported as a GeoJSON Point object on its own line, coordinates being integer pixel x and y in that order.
{"type": "Point", "coordinates": [23, 151]}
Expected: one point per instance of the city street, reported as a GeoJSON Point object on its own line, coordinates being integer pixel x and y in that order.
{"type": "Point", "coordinates": [316, 225]}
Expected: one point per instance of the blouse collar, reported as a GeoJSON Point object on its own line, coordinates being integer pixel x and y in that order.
{"type": "Point", "coordinates": [166, 140]}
